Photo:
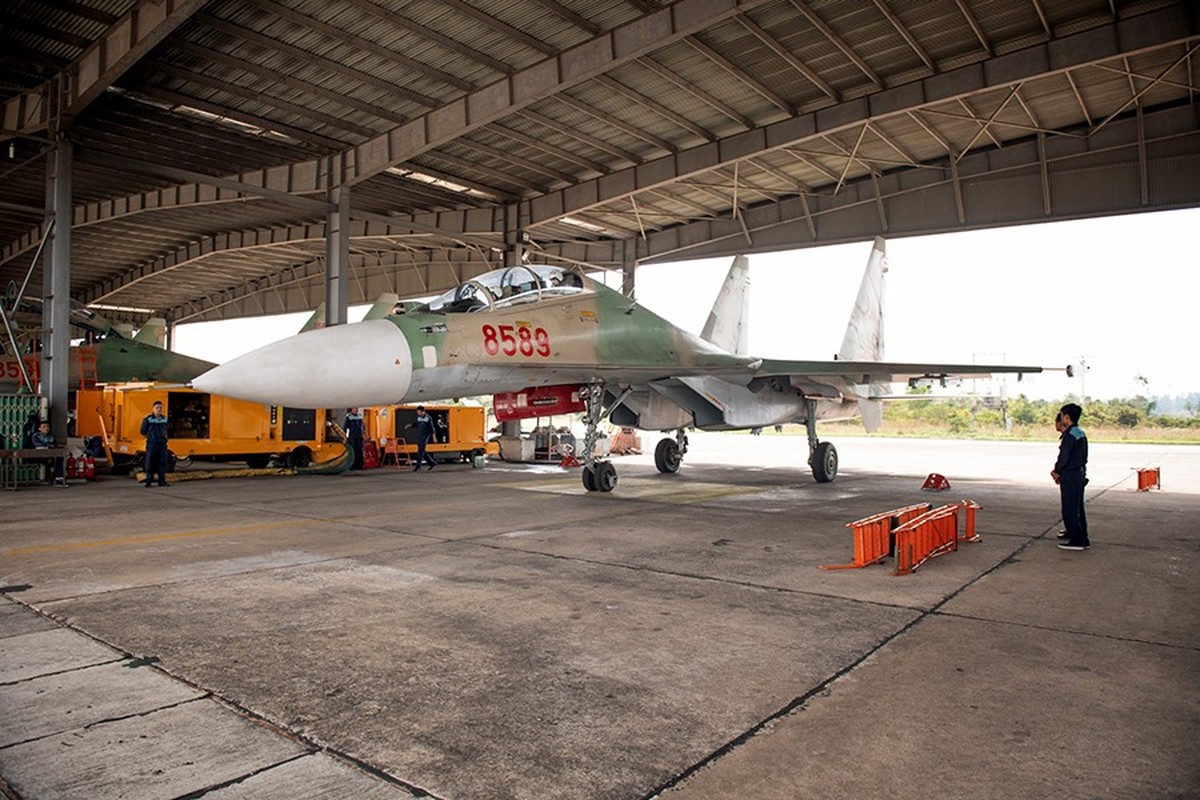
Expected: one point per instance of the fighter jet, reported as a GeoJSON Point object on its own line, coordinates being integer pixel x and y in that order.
{"type": "Point", "coordinates": [112, 356]}
{"type": "Point", "coordinates": [533, 328]}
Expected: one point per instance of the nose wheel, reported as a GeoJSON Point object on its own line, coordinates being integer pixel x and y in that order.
{"type": "Point", "coordinates": [597, 476]}
{"type": "Point", "coordinates": [600, 478]}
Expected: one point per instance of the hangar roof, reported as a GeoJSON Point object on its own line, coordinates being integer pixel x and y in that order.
{"type": "Point", "coordinates": [207, 137]}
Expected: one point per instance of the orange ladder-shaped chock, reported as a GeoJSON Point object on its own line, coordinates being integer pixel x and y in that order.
{"type": "Point", "coordinates": [1148, 479]}
{"type": "Point", "coordinates": [396, 449]}
{"type": "Point", "coordinates": [873, 535]}
{"type": "Point", "coordinates": [932, 534]}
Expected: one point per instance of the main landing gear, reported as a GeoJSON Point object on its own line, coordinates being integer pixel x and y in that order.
{"type": "Point", "coordinates": [669, 453]}
{"type": "Point", "coordinates": [822, 456]}
{"type": "Point", "coordinates": [598, 476]}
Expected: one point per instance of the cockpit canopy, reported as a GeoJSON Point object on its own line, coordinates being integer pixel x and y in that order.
{"type": "Point", "coordinates": [507, 287]}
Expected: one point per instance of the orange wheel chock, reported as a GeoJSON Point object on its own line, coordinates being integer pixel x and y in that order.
{"type": "Point", "coordinates": [936, 483]}
{"type": "Point", "coordinates": [1148, 478]}
{"type": "Point", "coordinates": [873, 535]}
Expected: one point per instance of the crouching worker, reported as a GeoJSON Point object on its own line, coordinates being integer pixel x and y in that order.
{"type": "Point", "coordinates": [43, 439]}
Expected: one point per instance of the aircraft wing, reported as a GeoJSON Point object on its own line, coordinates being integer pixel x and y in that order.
{"type": "Point", "coordinates": [867, 372]}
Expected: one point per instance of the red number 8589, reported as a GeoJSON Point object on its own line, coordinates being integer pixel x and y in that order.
{"type": "Point", "coordinates": [511, 340]}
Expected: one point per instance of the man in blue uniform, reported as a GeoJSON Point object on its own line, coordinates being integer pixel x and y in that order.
{"type": "Point", "coordinates": [1070, 473]}
{"type": "Point", "coordinates": [425, 432]}
{"type": "Point", "coordinates": [354, 436]}
{"type": "Point", "coordinates": [154, 428]}
{"type": "Point", "coordinates": [43, 439]}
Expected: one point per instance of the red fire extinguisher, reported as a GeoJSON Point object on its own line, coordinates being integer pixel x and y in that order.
{"type": "Point", "coordinates": [90, 468]}
{"type": "Point", "coordinates": [71, 466]}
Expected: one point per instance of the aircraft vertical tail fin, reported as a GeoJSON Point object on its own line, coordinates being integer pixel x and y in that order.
{"type": "Point", "coordinates": [864, 333]}
{"type": "Point", "coordinates": [383, 306]}
{"type": "Point", "coordinates": [317, 320]}
{"type": "Point", "coordinates": [153, 333]}
{"type": "Point", "coordinates": [729, 320]}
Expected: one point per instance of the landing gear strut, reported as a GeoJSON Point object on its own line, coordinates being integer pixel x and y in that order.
{"type": "Point", "coordinates": [598, 476]}
{"type": "Point", "coordinates": [822, 456]}
{"type": "Point", "coordinates": [669, 453]}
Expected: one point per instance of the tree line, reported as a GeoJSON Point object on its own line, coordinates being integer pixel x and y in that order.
{"type": "Point", "coordinates": [961, 414]}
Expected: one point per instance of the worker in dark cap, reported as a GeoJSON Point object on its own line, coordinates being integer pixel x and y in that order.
{"type": "Point", "coordinates": [354, 436]}
{"type": "Point", "coordinates": [154, 428]}
{"type": "Point", "coordinates": [425, 432]}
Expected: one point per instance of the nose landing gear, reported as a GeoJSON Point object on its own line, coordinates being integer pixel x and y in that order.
{"type": "Point", "coordinates": [597, 476]}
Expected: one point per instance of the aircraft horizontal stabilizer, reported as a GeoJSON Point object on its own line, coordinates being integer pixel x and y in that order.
{"type": "Point", "coordinates": [886, 371]}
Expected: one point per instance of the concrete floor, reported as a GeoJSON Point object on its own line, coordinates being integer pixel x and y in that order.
{"type": "Point", "coordinates": [499, 633]}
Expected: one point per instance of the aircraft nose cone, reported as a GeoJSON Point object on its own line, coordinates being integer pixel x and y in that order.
{"type": "Point", "coordinates": [361, 364]}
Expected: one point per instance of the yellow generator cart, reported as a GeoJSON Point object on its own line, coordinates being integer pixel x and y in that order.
{"type": "Point", "coordinates": [461, 433]}
{"type": "Point", "coordinates": [203, 427]}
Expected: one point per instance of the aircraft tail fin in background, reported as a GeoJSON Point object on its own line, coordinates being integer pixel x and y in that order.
{"type": "Point", "coordinates": [317, 320]}
{"type": "Point", "coordinates": [383, 306]}
{"type": "Point", "coordinates": [729, 320]}
{"type": "Point", "coordinates": [153, 333]}
{"type": "Point", "coordinates": [864, 333]}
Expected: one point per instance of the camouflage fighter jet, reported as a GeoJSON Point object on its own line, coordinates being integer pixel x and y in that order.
{"type": "Point", "coordinates": [543, 326]}
{"type": "Point", "coordinates": [112, 357]}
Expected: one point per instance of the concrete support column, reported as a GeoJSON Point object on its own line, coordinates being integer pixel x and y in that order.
{"type": "Point", "coordinates": [56, 289]}
{"type": "Point", "coordinates": [514, 236]}
{"type": "Point", "coordinates": [337, 256]}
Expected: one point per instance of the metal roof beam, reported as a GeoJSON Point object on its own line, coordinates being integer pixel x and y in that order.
{"type": "Point", "coordinates": [577, 20]}
{"type": "Point", "coordinates": [108, 58]}
{"type": "Point", "coordinates": [905, 34]}
{"type": "Point", "coordinates": [499, 26]}
{"type": "Point", "coordinates": [258, 96]}
{"type": "Point", "coordinates": [690, 87]}
{"type": "Point", "coordinates": [268, 43]}
{"type": "Point", "coordinates": [1168, 26]}
{"type": "Point", "coordinates": [739, 73]}
{"type": "Point", "coordinates": [974, 25]}
{"type": "Point", "coordinates": [551, 76]}
{"type": "Point", "coordinates": [391, 17]}
{"type": "Point", "coordinates": [787, 55]}
{"type": "Point", "coordinates": [357, 42]}
{"type": "Point", "coordinates": [265, 73]}
{"type": "Point", "coordinates": [297, 134]}
{"type": "Point", "coordinates": [580, 136]}
{"type": "Point", "coordinates": [838, 42]}
{"type": "Point", "coordinates": [638, 98]}
{"type": "Point", "coordinates": [632, 130]}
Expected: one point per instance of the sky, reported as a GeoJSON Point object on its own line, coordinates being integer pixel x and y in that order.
{"type": "Point", "coordinates": [1118, 294]}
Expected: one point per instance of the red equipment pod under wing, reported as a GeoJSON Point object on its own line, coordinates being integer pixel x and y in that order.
{"type": "Point", "coordinates": [541, 401]}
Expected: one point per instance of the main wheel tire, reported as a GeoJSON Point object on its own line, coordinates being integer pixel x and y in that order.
{"type": "Point", "coordinates": [667, 456]}
{"type": "Point", "coordinates": [606, 476]}
{"type": "Point", "coordinates": [589, 478]}
{"type": "Point", "coordinates": [258, 460]}
{"type": "Point", "coordinates": [825, 462]}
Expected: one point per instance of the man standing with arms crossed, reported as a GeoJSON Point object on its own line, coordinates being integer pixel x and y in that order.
{"type": "Point", "coordinates": [154, 428]}
{"type": "Point", "coordinates": [1070, 473]}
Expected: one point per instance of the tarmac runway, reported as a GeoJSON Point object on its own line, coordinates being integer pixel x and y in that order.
{"type": "Point", "coordinates": [500, 633]}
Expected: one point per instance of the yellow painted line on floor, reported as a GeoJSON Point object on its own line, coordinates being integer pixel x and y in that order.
{"type": "Point", "coordinates": [159, 537]}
